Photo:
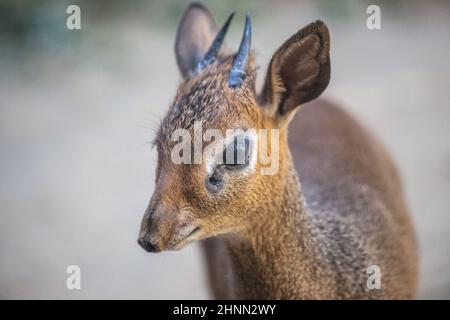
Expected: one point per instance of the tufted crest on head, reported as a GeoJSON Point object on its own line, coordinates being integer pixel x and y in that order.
{"type": "Point", "coordinates": [216, 83]}
{"type": "Point", "coordinates": [207, 97]}
{"type": "Point", "coordinates": [219, 86]}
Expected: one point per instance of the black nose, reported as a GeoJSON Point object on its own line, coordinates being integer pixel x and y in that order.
{"type": "Point", "coordinates": [147, 245]}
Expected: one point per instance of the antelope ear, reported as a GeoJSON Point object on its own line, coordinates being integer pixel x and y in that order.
{"type": "Point", "coordinates": [196, 32]}
{"type": "Point", "coordinates": [299, 70]}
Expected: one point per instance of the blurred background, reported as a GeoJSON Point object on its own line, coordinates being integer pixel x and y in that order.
{"type": "Point", "coordinates": [78, 109]}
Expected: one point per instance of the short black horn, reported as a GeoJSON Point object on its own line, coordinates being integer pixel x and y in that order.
{"type": "Point", "coordinates": [213, 51]}
{"type": "Point", "coordinates": [238, 70]}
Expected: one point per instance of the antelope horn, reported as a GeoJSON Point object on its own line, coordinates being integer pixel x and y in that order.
{"type": "Point", "coordinates": [239, 67]}
{"type": "Point", "coordinates": [211, 54]}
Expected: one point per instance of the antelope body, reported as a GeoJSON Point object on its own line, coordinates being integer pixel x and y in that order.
{"type": "Point", "coordinates": [314, 228]}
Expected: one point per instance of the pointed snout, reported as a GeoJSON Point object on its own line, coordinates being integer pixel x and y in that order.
{"type": "Point", "coordinates": [147, 245]}
{"type": "Point", "coordinates": [149, 235]}
{"type": "Point", "coordinates": [164, 227]}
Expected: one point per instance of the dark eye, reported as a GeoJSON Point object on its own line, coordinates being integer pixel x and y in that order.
{"type": "Point", "coordinates": [237, 154]}
{"type": "Point", "coordinates": [215, 181]}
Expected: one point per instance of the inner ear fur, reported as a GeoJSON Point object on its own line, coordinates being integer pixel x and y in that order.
{"type": "Point", "coordinates": [299, 70]}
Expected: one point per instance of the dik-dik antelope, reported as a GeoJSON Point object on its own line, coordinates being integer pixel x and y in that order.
{"type": "Point", "coordinates": [313, 229]}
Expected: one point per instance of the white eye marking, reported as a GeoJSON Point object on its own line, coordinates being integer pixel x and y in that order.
{"type": "Point", "coordinates": [239, 149]}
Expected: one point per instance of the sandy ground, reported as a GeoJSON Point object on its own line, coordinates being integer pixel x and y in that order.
{"type": "Point", "coordinates": [76, 166]}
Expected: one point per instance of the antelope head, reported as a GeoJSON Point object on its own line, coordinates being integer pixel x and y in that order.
{"type": "Point", "coordinates": [215, 193]}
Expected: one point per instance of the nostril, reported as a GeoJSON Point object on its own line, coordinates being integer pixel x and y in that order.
{"type": "Point", "coordinates": [147, 245]}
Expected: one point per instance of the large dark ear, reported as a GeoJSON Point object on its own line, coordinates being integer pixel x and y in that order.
{"type": "Point", "coordinates": [196, 32]}
{"type": "Point", "coordinates": [299, 70]}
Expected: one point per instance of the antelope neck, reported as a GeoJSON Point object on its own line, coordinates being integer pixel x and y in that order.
{"type": "Point", "coordinates": [265, 255]}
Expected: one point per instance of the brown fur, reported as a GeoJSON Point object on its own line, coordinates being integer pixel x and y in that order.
{"type": "Point", "coordinates": [352, 216]}
{"type": "Point", "coordinates": [311, 230]}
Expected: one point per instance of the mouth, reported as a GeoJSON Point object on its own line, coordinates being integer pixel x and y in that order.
{"type": "Point", "coordinates": [186, 240]}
